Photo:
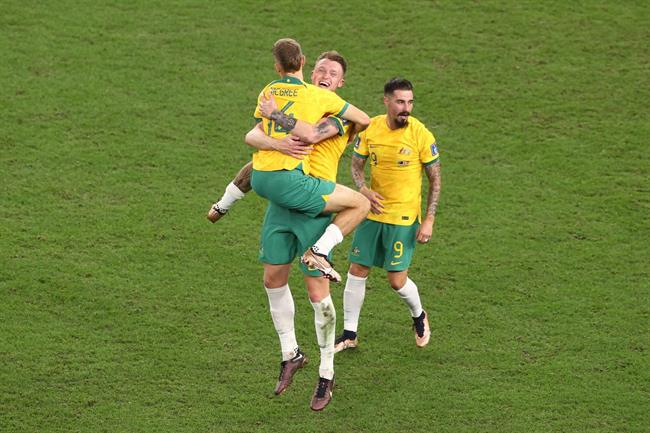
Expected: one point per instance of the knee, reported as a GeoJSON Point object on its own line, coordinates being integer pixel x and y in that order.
{"type": "Point", "coordinates": [273, 280]}
{"type": "Point", "coordinates": [363, 203]}
{"type": "Point", "coordinates": [397, 280]}
{"type": "Point", "coordinates": [318, 288]}
{"type": "Point", "coordinates": [359, 270]}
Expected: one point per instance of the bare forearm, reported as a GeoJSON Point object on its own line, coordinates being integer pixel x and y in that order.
{"type": "Point", "coordinates": [433, 173]}
{"type": "Point", "coordinates": [354, 130]}
{"type": "Point", "coordinates": [358, 175]}
{"type": "Point", "coordinates": [305, 131]}
{"type": "Point", "coordinates": [258, 139]}
{"type": "Point", "coordinates": [285, 121]}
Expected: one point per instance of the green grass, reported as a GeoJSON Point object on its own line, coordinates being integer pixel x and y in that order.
{"type": "Point", "coordinates": [124, 310]}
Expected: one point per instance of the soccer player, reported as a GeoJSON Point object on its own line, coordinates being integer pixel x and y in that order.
{"type": "Point", "coordinates": [288, 232]}
{"type": "Point", "coordinates": [283, 179]}
{"type": "Point", "coordinates": [398, 147]}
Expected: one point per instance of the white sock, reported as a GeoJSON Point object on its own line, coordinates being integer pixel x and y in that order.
{"type": "Point", "coordinates": [353, 295]}
{"type": "Point", "coordinates": [331, 238]}
{"type": "Point", "coordinates": [325, 322]}
{"type": "Point", "coordinates": [409, 294]}
{"type": "Point", "coordinates": [231, 195]}
{"type": "Point", "coordinates": [282, 312]}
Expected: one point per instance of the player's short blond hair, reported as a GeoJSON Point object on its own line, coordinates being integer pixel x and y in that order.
{"type": "Point", "coordinates": [288, 54]}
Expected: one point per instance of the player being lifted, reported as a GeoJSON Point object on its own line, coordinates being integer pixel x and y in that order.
{"type": "Point", "coordinates": [282, 178]}
{"type": "Point", "coordinates": [287, 232]}
{"type": "Point", "coordinates": [398, 147]}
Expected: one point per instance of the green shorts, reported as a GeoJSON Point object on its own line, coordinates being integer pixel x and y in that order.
{"type": "Point", "coordinates": [287, 234]}
{"type": "Point", "coordinates": [387, 246]}
{"type": "Point", "coordinates": [292, 189]}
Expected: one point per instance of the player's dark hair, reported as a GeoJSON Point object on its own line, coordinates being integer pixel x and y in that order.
{"type": "Point", "coordinates": [288, 54]}
{"type": "Point", "coordinates": [335, 57]}
{"type": "Point", "coordinates": [397, 83]}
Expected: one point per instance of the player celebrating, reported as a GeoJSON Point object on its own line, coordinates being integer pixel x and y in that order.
{"type": "Point", "coordinates": [288, 232]}
{"type": "Point", "coordinates": [398, 147]}
{"type": "Point", "coordinates": [282, 178]}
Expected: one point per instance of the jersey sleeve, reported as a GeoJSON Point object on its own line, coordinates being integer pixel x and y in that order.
{"type": "Point", "coordinates": [333, 103]}
{"type": "Point", "coordinates": [427, 147]}
{"type": "Point", "coordinates": [361, 145]}
{"type": "Point", "coordinates": [342, 124]}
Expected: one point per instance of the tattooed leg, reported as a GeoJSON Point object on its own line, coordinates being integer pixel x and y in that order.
{"type": "Point", "coordinates": [235, 190]}
{"type": "Point", "coordinates": [243, 179]}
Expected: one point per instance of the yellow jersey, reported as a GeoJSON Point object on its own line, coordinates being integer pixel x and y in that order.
{"type": "Point", "coordinates": [324, 159]}
{"type": "Point", "coordinates": [396, 160]}
{"type": "Point", "coordinates": [302, 101]}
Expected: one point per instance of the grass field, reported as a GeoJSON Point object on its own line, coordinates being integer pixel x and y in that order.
{"type": "Point", "coordinates": [124, 310]}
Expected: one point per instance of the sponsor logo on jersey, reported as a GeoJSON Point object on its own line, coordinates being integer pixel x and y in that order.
{"type": "Point", "coordinates": [403, 163]}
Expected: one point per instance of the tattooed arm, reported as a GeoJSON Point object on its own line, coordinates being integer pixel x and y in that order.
{"type": "Point", "coordinates": [307, 132]}
{"type": "Point", "coordinates": [289, 145]}
{"type": "Point", "coordinates": [325, 128]}
{"type": "Point", "coordinates": [426, 229]}
{"type": "Point", "coordinates": [359, 178]}
{"type": "Point", "coordinates": [358, 175]}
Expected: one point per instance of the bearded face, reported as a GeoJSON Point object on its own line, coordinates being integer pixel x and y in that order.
{"type": "Point", "coordinates": [399, 106]}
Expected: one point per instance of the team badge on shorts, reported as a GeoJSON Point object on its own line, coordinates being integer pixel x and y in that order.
{"type": "Point", "coordinates": [355, 251]}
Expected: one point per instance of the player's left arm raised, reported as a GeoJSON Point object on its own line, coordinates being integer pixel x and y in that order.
{"type": "Point", "coordinates": [426, 228]}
